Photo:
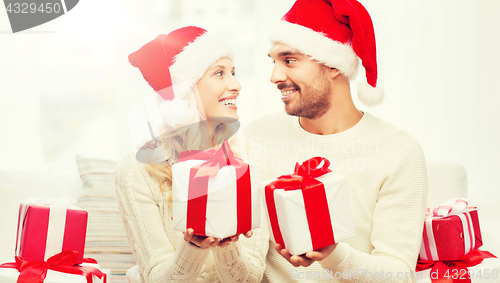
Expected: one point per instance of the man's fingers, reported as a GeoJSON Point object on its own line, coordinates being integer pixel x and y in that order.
{"type": "Point", "coordinates": [301, 260]}
{"type": "Point", "coordinates": [285, 254]}
{"type": "Point", "coordinates": [314, 255]}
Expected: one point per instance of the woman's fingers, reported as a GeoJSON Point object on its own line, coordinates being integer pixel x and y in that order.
{"type": "Point", "coordinates": [188, 235]}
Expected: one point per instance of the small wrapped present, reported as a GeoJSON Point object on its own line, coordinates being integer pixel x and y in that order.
{"type": "Point", "coordinates": [310, 209]}
{"type": "Point", "coordinates": [212, 193]}
{"type": "Point", "coordinates": [47, 226]}
{"type": "Point", "coordinates": [476, 267]}
{"type": "Point", "coordinates": [451, 230]}
{"type": "Point", "coordinates": [60, 268]}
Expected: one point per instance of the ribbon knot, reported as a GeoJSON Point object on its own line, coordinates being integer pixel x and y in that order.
{"type": "Point", "coordinates": [451, 207]}
{"type": "Point", "coordinates": [36, 271]}
{"type": "Point", "coordinates": [442, 271]}
{"type": "Point", "coordinates": [215, 160]}
{"type": "Point", "coordinates": [308, 169]}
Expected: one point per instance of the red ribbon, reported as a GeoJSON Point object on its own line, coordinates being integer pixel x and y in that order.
{"type": "Point", "coordinates": [198, 187]}
{"type": "Point", "coordinates": [442, 271]}
{"type": "Point", "coordinates": [315, 201]}
{"type": "Point", "coordinates": [36, 271]}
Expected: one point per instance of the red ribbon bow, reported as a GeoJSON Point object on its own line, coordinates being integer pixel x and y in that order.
{"type": "Point", "coordinates": [442, 271]}
{"type": "Point", "coordinates": [198, 186]}
{"type": "Point", "coordinates": [315, 201]}
{"type": "Point", "coordinates": [36, 271]}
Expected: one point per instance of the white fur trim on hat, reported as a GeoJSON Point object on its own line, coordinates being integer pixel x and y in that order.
{"type": "Point", "coordinates": [369, 95]}
{"type": "Point", "coordinates": [198, 56]}
{"type": "Point", "coordinates": [332, 53]}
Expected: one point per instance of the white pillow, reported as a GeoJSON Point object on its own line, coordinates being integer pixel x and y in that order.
{"type": "Point", "coordinates": [446, 181]}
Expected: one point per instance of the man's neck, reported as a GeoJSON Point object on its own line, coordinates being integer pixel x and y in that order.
{"type": "Point", "coordinates": [342, 116]}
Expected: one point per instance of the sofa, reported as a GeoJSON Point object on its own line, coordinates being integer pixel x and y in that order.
{"type": "Point", "coordinates": [91, 183]}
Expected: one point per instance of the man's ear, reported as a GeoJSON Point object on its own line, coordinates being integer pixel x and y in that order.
{"type": "Point", "coordinates": [333, 72]}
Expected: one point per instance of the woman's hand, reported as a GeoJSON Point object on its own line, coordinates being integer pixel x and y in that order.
{"type": "Point", "coordinates": [210, 242]}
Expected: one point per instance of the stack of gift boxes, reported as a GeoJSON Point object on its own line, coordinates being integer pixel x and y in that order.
{"type": "Point", "coordinates": [450, 250]}
{"type": "Point", "coordinates": [50, 244]}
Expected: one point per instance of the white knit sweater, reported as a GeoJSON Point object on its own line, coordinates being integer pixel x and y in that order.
{"type": "Point", "coordinates": [161, 253]}
{"type": "Point", "coordinates": [386, 177]}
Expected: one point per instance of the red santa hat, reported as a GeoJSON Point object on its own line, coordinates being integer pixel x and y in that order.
{"type": "Point", "coordinates": [335, 33]}
{"type": "Point", "coordinates": [173, 63]}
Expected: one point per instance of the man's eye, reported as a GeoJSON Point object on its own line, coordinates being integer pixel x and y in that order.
{"type": "Point", "coordinates": [290, 61]}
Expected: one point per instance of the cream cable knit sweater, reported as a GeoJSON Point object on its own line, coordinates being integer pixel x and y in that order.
{"type": "Point", "coordinates": [387, 180]}
{"type": "Point", "coordinates": [161, 253]}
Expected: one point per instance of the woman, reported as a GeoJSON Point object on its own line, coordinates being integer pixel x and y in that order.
{"type": "Point", "coordinates": [196, 91]}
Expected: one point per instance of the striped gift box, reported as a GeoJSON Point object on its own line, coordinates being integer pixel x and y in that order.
{"type": "Point", "coordinates": [451, 231]}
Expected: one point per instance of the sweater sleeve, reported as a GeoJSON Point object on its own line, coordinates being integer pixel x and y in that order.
{"type": "Point", "coordinates": [156, 257]}
{"type": "Point", "coordinates": [245, 260]}
{"type": "Point", "coordinates": [397, 228]}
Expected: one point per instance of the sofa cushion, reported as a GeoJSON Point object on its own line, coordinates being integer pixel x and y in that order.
{"type": "Point", "coordinates": [446, 181]}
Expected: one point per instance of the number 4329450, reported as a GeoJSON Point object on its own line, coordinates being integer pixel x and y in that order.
{"type": "Point", "coordinates": [32, 8]}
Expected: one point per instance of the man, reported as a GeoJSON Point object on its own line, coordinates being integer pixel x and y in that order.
{"type": "Point", "coordinates": [315, 50]}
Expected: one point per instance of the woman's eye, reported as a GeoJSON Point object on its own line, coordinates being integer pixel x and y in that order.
{"type": "Point", "coordinates": [219, 73]}
{"type": "Point", "coordinates": [233, 73]}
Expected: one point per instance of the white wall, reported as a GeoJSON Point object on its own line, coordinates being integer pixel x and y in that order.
{"type": "Point", "coordinates": [68, 81]}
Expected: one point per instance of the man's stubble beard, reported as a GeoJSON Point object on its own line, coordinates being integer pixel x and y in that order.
{"type": "Point", "coordinates": [314, 101]}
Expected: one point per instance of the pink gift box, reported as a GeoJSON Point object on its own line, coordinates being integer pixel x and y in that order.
{"type": "Point", "coordinates": [44, 231]}
{"type": "Point", "coordinates": [450, 232]}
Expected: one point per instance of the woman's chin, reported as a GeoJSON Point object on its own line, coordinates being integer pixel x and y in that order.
{"type": "Point", "coordinates": [232, 114]}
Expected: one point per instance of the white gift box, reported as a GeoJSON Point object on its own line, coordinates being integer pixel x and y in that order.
{"type": "Point", "coordinates": [221, 213]}
{"type": "Point", "coordinates": [488, 271]}
{"type": "Point", "coordinates": [292, 217]}
{"type": "Point", "coordinates": [10, 275]}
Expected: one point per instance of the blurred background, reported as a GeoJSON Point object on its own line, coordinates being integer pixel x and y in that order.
{"type": "Point", "coordinates": [66, 86]}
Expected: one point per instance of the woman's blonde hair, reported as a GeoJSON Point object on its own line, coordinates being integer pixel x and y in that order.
{"type": "Point", "coordinates": [189, 138]}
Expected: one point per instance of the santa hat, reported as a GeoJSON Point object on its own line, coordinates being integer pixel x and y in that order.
{"type": "Point", "coordinates": [172, 64]}
{"type": "Point", "coordinates": [335, 33]}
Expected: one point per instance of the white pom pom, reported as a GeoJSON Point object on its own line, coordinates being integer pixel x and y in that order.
{"type": "Point", "coordinates": [369, 95]}
{"type": "Point", "coordinates": [175, 112]}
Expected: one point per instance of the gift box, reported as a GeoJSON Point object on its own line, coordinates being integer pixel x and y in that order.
{"type": "Point", "coordinates": [212, 193]}
{"type": "Point", "coordinates": [451, 230]}
{"type": "Point", "coordinates": [58, 269]}
{"type": "Point", "coordinates": [47, 226]}
{"type": "Point", "coordinates": [475, 267]}
{"type": "Point", "coordinates": [309, 209]}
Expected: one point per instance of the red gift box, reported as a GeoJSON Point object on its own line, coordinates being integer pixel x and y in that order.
{"type": "Point", "coordinates": [309, 209]}
{"type": "Point", "coordinates": [44, 231]}
{"type": "Point", "coordinates": [450, 231]}
{"type": "Point", "coordinates": [212, 193]}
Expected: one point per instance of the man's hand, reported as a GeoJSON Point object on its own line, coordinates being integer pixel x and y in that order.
{"type": "Point", "coordinates": [305, 259]}
{"type": "Point", "coordinates": [210, 242]}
